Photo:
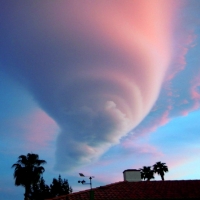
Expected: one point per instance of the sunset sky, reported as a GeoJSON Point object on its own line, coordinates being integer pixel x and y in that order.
{"type": "Point", "coordinates": [99, 87]}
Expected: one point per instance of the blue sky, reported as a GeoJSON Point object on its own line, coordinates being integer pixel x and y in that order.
{"type": "Point", "coordinates": [99, 87]}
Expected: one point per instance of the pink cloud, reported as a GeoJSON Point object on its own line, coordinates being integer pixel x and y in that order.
{"type": "Point", "coordinates": [168, 109]}
{"type": "Point", "coordinates": [38, 129]}
{"type": "Point", "coordinates": [195, 94]}
{"type": "Point", "coordinates": [87, 56]}
{"type": "Point", "coordinates": [179, 62]}
{"type": "Point", "coordinates": [164, 118]}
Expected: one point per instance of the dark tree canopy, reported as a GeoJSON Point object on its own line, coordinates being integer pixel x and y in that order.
{"type": "Point", "coordinates": [60, 187]}
{"type": "Point", "coordinates": [147, 173]}
{"type": "Point", "coordinates": [160, 169]}
{"type": "Point", "coordinates": [27, 171]}
{"type": "Point", "coordinates": [40, 191]}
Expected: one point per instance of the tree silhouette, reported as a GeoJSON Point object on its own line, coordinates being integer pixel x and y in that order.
{"type": "Point", "coordinates": [28, 171]}
{"type": "Point", "coordinates": [60, 187]}
{"type": "Point", "coordinates": [160, 169]}
{"type": "Point", "coordinates": [147, 173]}
{"type": "Point", "coordinates": [40, 191]}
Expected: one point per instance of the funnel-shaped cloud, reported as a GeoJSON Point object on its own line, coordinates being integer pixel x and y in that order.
{"type": "Point", "coordinates": [95, 67]}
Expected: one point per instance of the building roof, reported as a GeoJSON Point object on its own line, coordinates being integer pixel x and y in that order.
{"type": "Point", "coordinates": [188, 189]}
{"type": "Point", "coordinates": [137, 170]}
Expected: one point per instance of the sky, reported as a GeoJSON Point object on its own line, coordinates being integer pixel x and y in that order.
{"type": "Point", "coordinates": [99, 87]}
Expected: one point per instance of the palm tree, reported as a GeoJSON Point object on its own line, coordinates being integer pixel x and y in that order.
{"type": "Point", "coordinates": [28, 171]}
{"type": "Point", "coordinates": [160, 169]}
{"type": "Point", "coordinates": [147, 173]}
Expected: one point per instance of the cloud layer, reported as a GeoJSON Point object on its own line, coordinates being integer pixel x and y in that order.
{"type": "Point", "coordinates": [96, 68]}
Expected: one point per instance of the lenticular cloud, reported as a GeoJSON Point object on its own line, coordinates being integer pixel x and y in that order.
{"type": "Point", "coordinates": [96, 68]}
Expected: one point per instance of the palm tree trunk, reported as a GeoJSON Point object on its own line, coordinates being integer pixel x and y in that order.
{"type": "Point", "coordinates": [26, 194]}
{"type": "Point", "coordinates": [162, 176]}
